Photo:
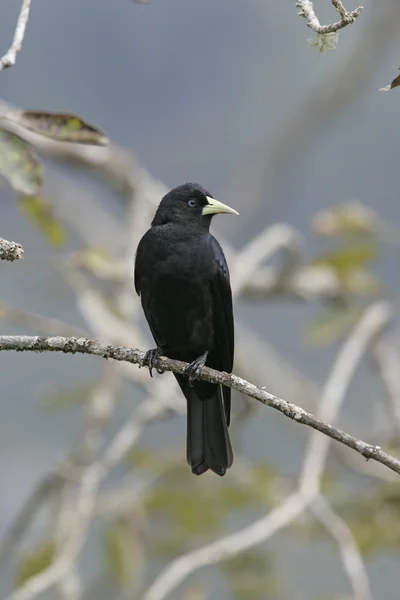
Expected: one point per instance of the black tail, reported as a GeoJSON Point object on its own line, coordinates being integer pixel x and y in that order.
{"type": "Point", "coordinates": [207, 444]}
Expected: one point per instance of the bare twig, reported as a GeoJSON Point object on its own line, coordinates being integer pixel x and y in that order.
{"type": "Point", "coordinates": [10, 250]}
{"type": "Point", "coordinates": [346, 18]}
{"type": "Point", "coordinates": [309, 486]}
{"type": "Point", "coordinates": [380, 311]}
{"type": "Point", "coordinates": [9, 58]}
{"type": "Point", "coordinates": [351, 556]}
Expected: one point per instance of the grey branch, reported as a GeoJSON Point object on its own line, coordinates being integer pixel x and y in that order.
{"type": "Point", "coordinates": [9, 58]}
{"type": "Point", "coordinates": [120, 353]}
{"type": "Point", "coordinates": [10, 250]}
{"type": "Point", "coordinates": [346, 18]}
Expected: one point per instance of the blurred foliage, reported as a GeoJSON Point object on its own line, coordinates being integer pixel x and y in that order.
{"type": "Point", "coordinates": [67, 397]}
{"type": "Point", "coordinates": [18, 164]}
{"type": "Point", "coordinates": [97, 262]}
{"type": "Point", "coordinates": [251, 576]}
{"type": "Point", "coordinates": [123, 552]}
{"type": "Point", "coordinates": [332, 323]}
{"type": "Point", "coordinates": [34, 560]}
{"type": "Point", "coordinates": [348, 218]}
{"type": "Point", "coordinates": [355, 227]}
{"type": "Point", "coordinates": [40, 213]}
{"type": "Point", "coordinates": [373, 517]}
{"type": "Point", "coordinates": [349, 259]}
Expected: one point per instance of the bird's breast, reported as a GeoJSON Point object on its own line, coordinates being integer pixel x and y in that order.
{"type": "Point", "coordinates": [177, 300]}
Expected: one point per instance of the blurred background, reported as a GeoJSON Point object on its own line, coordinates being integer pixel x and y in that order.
{"type": "Point", "coordinates": [230, 94]}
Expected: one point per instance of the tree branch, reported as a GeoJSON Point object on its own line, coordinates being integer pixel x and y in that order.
{"type": "Point", "coordinates": [9, 58]}
{"type": "Point", "coordinates": [346, 18]}
{"type": "Point", "coordinates": [10, 250]}
{"type": "Point", "coordinates": [120, 353]}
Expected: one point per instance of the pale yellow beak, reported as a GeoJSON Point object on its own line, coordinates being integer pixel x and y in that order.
{"type": "Point", "coordinates": [214, 207]}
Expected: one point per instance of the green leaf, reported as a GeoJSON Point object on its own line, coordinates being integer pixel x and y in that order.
{"type": "Point", "coordinates": [64, 127]}
{"type": "Point", "coordinates": [40, 212]}
{"type": "Point", "coordinates": [18, 164]}
{"type": "Point", "coordinates": [123, 553]}
{"type": "Point", "coordinates": [331, 324]}
{"type": "Point", "coordinates": [34, 561]}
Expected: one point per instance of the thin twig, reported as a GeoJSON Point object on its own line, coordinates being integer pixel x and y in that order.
{"type": "Point", "coordinates": [346, 18]}
{"type": "Point", "coordinates": [9, 58]}
{"type": "Point", "coordinates": [351, 556]}
{"type": "Point", "coordinates": [10, 250]}
{"type": "Point", "coordinates": [380, 311]}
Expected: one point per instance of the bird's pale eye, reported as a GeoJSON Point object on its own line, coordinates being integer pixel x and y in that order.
{"type": "Point", "coordinates": [192, 202]}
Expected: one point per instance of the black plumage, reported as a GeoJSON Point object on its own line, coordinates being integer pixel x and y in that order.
{"type": "Point", "coordinates": [182, 278]}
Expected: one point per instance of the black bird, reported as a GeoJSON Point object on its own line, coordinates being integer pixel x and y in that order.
{"type": "Point", "coordinates": [182, 278]}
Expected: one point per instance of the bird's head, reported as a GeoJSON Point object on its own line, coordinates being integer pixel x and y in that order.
{"type": "Point", "coordinates": [188, 204]}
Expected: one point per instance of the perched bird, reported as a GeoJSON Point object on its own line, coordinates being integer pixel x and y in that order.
{"type": "Point", "coordinates": [182, 278]}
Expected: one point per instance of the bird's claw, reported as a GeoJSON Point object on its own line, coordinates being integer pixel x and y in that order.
{"type": "Point", "coordinates": [193, 371]}
{"type": "Point", "coordinates": [151, 359]}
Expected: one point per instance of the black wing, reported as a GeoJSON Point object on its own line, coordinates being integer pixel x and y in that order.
{"type": "Point", "coordinates": [139, 264]}
{"type": "Point", "coordinates": [143, 262]}
{"type": "Point", "coordinates": [221, 355]}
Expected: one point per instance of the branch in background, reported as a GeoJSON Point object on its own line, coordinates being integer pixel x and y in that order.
{"type": "Point", "coordinates": [351, 556]}
{"type": "Point", "coordinates": [346, 18]}
{"type": "Point", "coordinates": [9, 58]}
{"type": "Point", "coordinates": [37, 323]}
{"type": "Point", "coordinates": [10, 250]}
{"type": "Point", "coordinates": [261, 248]}
{"type": "Point", "coordinates": [85, 504]}
{"type": "Point", "coordinates": [41, 493]}
{"type": "Point", "coordinates": [386, 360]}
{"type": "Point", "coordinates": [381, 317]}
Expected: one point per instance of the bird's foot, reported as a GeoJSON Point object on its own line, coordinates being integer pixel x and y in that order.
{"type": "Point", "coordinates": [151, 359]}
{"type": "Point", "coordinates": [194, 369]}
